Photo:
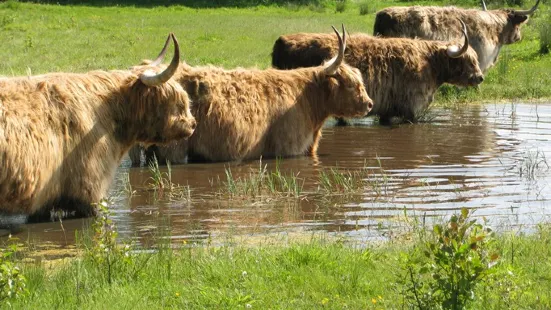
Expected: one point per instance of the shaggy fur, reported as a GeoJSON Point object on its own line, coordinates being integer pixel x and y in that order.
{"type": "Point", "coordinates": [488, 30]}
{"type": "Point", "coordinates": [400, 75]}
{"type": "Point", "coordinates": [62, 135]}
{"type": "Point", "coordinates": [248, 113]}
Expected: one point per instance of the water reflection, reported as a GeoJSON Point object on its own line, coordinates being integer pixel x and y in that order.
{"type": "Point", "coordinates": [475, 157]}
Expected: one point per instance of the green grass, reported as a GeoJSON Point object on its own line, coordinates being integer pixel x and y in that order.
{"type": "Point", "coordinates": [284, 273]}
{"type": "Point", "coordinates": [41, 38]}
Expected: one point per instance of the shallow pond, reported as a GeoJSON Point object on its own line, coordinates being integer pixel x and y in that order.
{"type": "Point", "coordinates": [491, 158]}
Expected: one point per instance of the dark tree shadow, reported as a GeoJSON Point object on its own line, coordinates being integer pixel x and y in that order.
{"type": "Point", "coordinates": [188, 3]}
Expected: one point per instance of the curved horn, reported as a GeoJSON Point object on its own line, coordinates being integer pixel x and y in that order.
{"type": "Point", "coordinates": [332, 68]}
{"type": "Point", "coordinates": [157, 79]}
{"type": "Point", "coordinates": [161, 55]}
{"type": "Point", "coordinates": [483, 4]}
{"type": "Point", "coordinates": [528, 12]}
{"type": "Point", "coordinates": [452, 50]}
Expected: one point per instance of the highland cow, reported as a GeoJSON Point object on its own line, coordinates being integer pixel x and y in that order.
{"type": "Point", "coordinates": [401, 75]}
{"type": "Point", "coordinates": [248, 113]}
{"type": "Point", "coordinates": [62, 135]}
{"type": "Point", "coordinates": [488, 30]}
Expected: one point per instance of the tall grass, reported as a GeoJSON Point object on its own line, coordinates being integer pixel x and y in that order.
{"type": "Point", "coordinates": [544, 28]}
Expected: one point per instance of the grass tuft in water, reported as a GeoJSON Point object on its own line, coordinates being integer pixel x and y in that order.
{"type": "Point", "coordinates": [532, 164]}
{"type": "Point", "coordinates": [261, 183]}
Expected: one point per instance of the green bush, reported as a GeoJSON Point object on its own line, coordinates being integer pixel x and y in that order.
{"type": "Point", "coordinates": [364, 8]}
{"type": "Point", "coordinates": [545, 34]}
{"type": "Point", "coordinates": [341, 5]}
{"type": "Point", "coordinates": [12, 282]}
{"type": "Point", "coordinates": [444, 271]}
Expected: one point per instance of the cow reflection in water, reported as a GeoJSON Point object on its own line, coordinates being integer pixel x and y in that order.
{"type": "Point", "coordinates": [449, 149]}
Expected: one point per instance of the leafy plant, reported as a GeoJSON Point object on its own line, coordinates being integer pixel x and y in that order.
{"type": "Point", "coordinates": [12, 282]}
{"type": "Point", "coordinates": [112, 260]}
{"type": "Point", "coordinates": [444, 271]}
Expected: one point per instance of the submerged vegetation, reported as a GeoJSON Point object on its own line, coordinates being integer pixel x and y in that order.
{"type": "Point", "coordinates": [457, 264]}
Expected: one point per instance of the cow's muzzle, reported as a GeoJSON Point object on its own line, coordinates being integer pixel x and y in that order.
{"type": "Point", "coordinates": [477, 79]}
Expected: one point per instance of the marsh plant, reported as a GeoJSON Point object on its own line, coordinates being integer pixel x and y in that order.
{"type": "Point", "coordinates": [335, 181]}
{"type": "Point", "coordinates": [443, 270]}
{"type": "Point", "coordinates": [112, 259]}
{"type": "Point", "coordinates": [532, 164]}
{"type": "Point", "coordinates": [261, 181]}
{"type": "Point", "coordinates": [13, 284]}
{"type": "Point", "coordinates": [159, 180]}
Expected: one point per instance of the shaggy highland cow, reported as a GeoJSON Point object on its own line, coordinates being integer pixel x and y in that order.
{"type": "Point", "coordinates": [488, 30]}
{"type": "Point", "coordinates": [401, 75]}
{"type": "Point", "coordinates": [247, 113]}
{"type": "Point", "coordinates": [62, 135]}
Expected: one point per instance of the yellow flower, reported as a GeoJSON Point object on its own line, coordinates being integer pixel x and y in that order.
{"type": "Point", "coordinates": [373, 300]}
{"type": "Point", "coordinates": [177, 294]}
{"type": "Point", "coordinates": [324, 301]}
{"type": "Point", "coordinates": [380, 297]}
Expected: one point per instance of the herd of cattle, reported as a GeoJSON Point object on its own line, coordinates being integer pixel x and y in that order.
{"type": "Point", "coordinates": [63, 135]}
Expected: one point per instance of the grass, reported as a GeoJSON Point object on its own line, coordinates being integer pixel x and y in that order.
{"type": "Point", "coordinates": [282, 272]}
{"type": "Point", "coordinates": [261, 183]}
{"type": "Point", "coordinates": [46, 38]}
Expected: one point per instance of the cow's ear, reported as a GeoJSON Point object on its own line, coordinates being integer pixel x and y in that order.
{"type": "Point", "coordinates": [517, 19]}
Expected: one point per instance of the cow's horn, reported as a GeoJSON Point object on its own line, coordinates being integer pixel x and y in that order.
{"type": "Point", "coordinates": [332, 68]}
{"type": "Point", "coordinates": [161, 55]}
{"type": "Point", "coordinates": [530, 11]}
{"type": "Point", "coordinates": [157, 79]}
{"type": "Point", "coordinates": [452, 50]}
{"type": "Point", "coordinates": [483, 5]}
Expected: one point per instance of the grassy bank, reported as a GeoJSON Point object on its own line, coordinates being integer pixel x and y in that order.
{"type": "Point", "coordinates": [43, 38]}
{"type": "Point", "coordinates": [457, 261]}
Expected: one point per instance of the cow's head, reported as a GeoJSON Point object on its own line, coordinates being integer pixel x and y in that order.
{"type": "Point", "coordinates": [463, 64]}
{"type": "Point", "coordinates": [161, 107]}
{"type": "Point", "coordinates": [343, 85]}
{"type": "Point", "coordinates": [515, 18]}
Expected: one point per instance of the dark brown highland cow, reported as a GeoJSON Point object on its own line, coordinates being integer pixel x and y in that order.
{"type": "Point", "coordinates": [401, 75]}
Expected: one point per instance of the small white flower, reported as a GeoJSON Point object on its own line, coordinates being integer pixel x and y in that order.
{"type": "Point", "coordinates": [244, 273]}
{"type": "Point", "coordinates": [248, 306]}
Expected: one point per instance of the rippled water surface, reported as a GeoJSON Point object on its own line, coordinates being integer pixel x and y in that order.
{"type": "Point", "coordinates": [492, 158]}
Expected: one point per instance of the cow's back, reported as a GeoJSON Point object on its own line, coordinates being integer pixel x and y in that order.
{"type": "Point", "coordinates": [292, 51]}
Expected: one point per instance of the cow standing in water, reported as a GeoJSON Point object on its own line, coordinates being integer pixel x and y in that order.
{"type": "Point", "coordinates": [62, 135]}
{"type": "Point", "coordinates": [488, 30]}
{"type": "Point", "coordinates": [401, 75]}
{"type": "Point", "coordinates": [247, 113]}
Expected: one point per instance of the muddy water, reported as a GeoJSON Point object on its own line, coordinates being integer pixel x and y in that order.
{"type": "Point", "coordinates": [490, 158]}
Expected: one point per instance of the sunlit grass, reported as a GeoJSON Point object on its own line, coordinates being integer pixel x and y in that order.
{"type": "Point", "coordinates": [280, 272]}
{"type": "Point", "coordinates": [46, 38]}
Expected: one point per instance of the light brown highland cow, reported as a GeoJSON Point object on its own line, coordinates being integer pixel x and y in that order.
{"type": "Point", "coordinates": [62, 135]}
{"type": "Point", "coordinates": [488, 30]}
{"type": "Point", "coordinates": [247, 113]}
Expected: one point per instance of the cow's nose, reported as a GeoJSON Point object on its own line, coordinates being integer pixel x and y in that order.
{"type": "Point", "coordinates": [370, 105]}
{"type": "Point", "coordinates": [480, 79]}
{"type": "Point", "coordinates": [193, 124]}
